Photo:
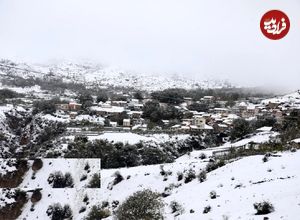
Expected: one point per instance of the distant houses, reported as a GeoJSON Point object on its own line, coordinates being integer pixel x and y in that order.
{"type": "Point", "coordinates": [72, 106]}
{"type": "Point", "coordinates": [126, 122]}
{"type": "Point", "coordinates": [216, 115]}
{"type": "Point", "coordinates": [194, 124]}
{"type": "Point", "coordinates": [105, 110]}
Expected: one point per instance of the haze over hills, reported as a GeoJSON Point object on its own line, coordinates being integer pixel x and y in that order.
{"type": "Point", "coordinates": [98, 75]}
{"type": "Point", "coordinates": [102, 76]}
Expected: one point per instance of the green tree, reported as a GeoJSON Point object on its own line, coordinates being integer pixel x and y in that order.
{"type": "Point", "coordinates": [290, 128]}
{"type": "Point", "coordinates": [199, 107]}
{"type": "Point", "coordinates": [97, 213]}
{"type": "Point", "coordinates": [45, 106]}
{"type": "Point", "coordinates": [119, 117]}
{"type": "Point", "coordinates": [138, 95]}
{"type": "Point", "coordinates": [151, 110]}
{"type": "Point", "coordinates": [86, 100]}
{"type": "Point", "coordinates": [171, 96]}
{"type": "Point", "coordinates": [240, 128]}
{"type": "Point", "coordinates": [102, 97]}
{"type": "Point", "coordinates": [8, 94]}
{"type": "Point", "coordinates": [142, 205]}
{"type": "Point", "coordinates": [170, 112]}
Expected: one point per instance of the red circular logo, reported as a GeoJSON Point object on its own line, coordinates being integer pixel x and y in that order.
{"type": "Point", "coordinates": [275, 24]}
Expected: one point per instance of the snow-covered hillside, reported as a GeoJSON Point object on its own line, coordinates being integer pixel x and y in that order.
{"type": "Point", "coordinates": [98, 75]}
{"type": "Point", "coordinates": [258, 138]}
{"type": "Point", "coordinates": [76, 167]}
{"type": "Point", "coordinates": [77, 202]}
{"type": "Point", "coordinates": [71, 197]}
{"type": "Point", "coordinates": [291, 99]}
{"type": "Point", "coordinates": [238, 185]}
{"type": "Point", "coordinates": [44, 172]}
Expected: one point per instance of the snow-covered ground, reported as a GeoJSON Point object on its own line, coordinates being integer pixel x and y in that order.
{"type": "Point", "coordinates": [39, 179]}
{"type": "Point", "coordinates": [72, 197]}
{"type": "Point", "coordinates": [67, 119]}
{"type": "Point", "coordinates": [133, 138]}
{"type": "Point", "coordinates": [292, 98]}
{"type": "Point", "coordinates": [259, 138]}
{"type": "Point", "coordinates": [238, 185]}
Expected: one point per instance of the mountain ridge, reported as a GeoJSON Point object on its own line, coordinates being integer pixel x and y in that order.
{"type": "Point", "coordinates": [98, 75]}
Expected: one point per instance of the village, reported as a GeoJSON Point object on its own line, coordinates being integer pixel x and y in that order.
{"type": "Point", "coordinates": [166, 133]}
{"type": "Point", "coordinates": [218, 118]}
{"type": "Point", "coordinates": [146, 113]}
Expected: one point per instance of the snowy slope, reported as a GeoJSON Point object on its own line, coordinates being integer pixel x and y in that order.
{"type": "Point", "coordinates": [97, 75]}
{"type": "Point", "coordinates": [292, 98]}
{"type": "Point", "coordinates": [39, 178]}
{"type": "Point", "coordinates": [74, 166]}
{"type": "Point", "coordinates": [133, 138]}
{"type": "Point", "coordinates": [72, 197]}
{"type": "Point", "coordinates": [238, 185]}
{"type": "Point", "coordinates": [260, 137]}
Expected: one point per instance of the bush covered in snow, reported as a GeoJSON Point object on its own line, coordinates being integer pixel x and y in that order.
{"type": "Point", "coordinates": [57, 212]}
{"type": "Point", "coordinates": [95, 182]}
{"type": "Point", "coordinates": [143, 204]}
{"type": "Point", "coordinates": [179, 176]}
{"type": "Point", "coordinates": [168, 190]}
{"type": "Point", "coordinates": [214, 165]}
{"type": "Point", "coordinates": [118, 178]}
{"type": "Point", "coordinates": [263, 208]}
{"type": "Point", "coordinates": [266, 158]}
{"type": "Point", "coordinates": [213, 195]}
{"type": "Point", "coordinates": [12, 172]}
{"type": "Point", "coordinates": [83, 177]}
{"type": "Point", "coordinates": [206, 209]}
{"type": "Point", "coordinates": [58, 180]}
{"type": "Point", "coordinates": [85, 198]}
{"type": "Point", "coordinates": [189, 176]}
{"type": "Point", "coordinates": [12, 202]}
{"type": "Point", "coordinates": [202, 156]}
{"type": "Point", "coordinates": [87, 167]}
{"type": "Point", "coordinates": [202, 176]}
{"type": "Point", "coordinates": [36, 196]}
{"type": "Point", "coordinates": [176, 208]}
{"type": "Point", "coordinates": [37, 164]}
{"type": "Point", "coordinates": [97, 213]}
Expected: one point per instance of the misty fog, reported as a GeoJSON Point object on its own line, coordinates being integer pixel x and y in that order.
{"type": "Point", "coordinates": [199, 39]}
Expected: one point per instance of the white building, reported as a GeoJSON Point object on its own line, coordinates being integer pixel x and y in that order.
{"type": "Point", "coordinates": [199, 121]}
{"type": "Point", "coordinates": [126, 122]}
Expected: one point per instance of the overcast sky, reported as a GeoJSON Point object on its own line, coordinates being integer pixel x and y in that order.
{"type": "Point", "coordinates": [196, 38]}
